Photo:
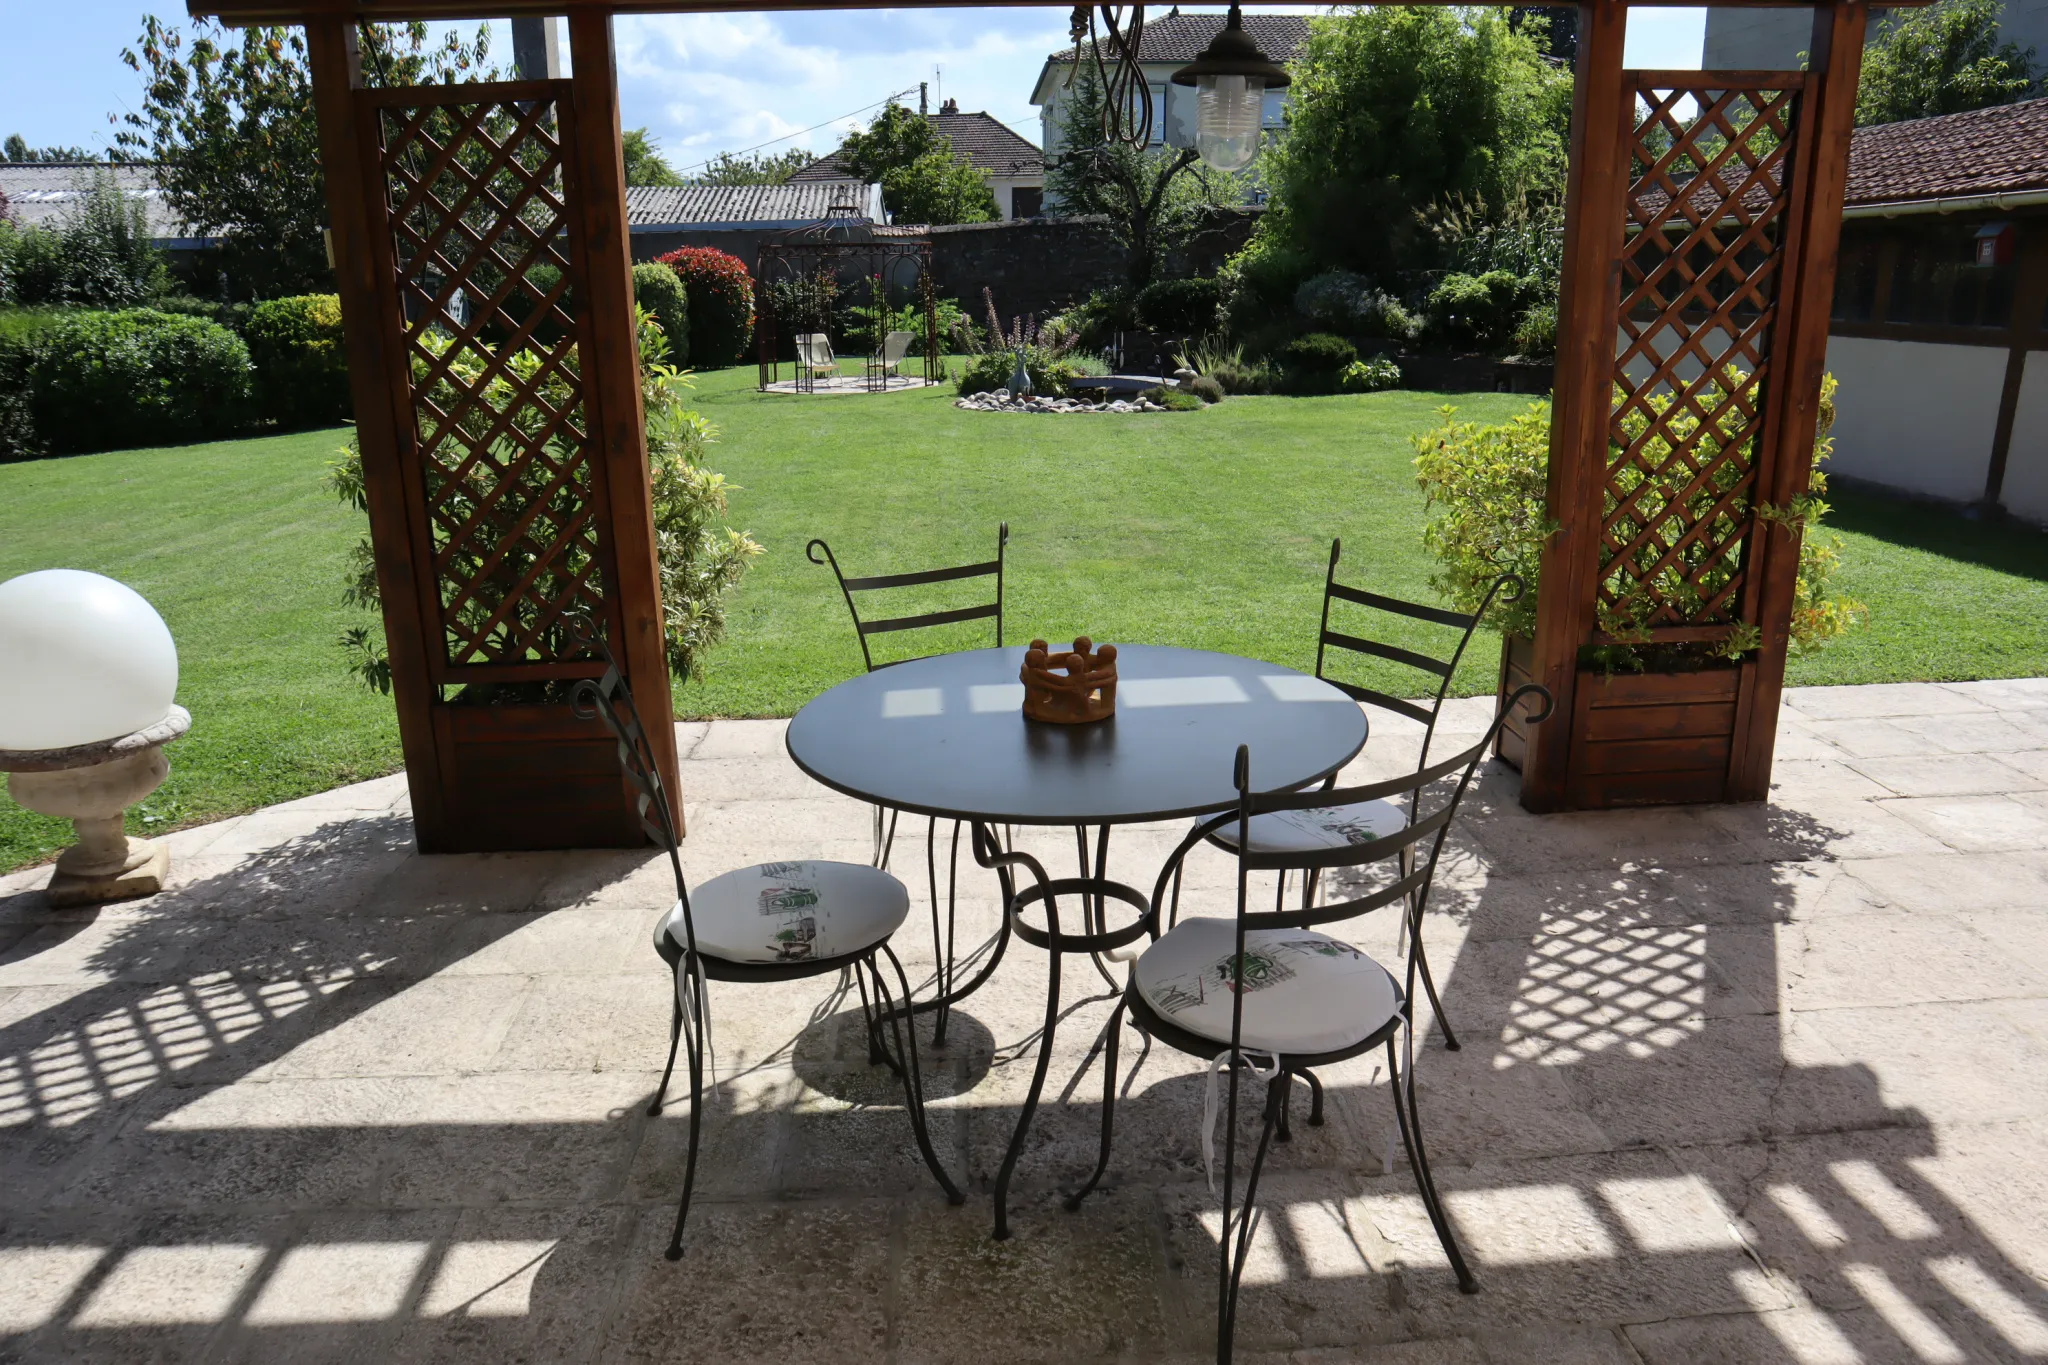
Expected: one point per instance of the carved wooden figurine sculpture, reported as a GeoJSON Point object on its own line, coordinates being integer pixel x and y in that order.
{"type": "Point", "coordinates": [1069, 689]}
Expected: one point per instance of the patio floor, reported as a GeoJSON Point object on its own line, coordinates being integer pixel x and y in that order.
{"type": "Point", "coordinates": [1739, 1084]}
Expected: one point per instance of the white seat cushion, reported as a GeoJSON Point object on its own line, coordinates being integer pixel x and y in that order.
{"type": "Point", "coordinates": [1319, 827]}
{"type": "Point", "coordinates": [791, 912]}
{"type": "Point", "coordinates": [1305, 992]}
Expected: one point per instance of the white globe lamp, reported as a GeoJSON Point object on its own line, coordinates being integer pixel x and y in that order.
{"type": "Point", "coordinates": [88, 672]}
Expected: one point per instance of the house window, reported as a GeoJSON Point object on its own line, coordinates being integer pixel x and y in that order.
{"type": "Point", "coordinates": [1027, 201]}
{"type": "Point", "coordinates": [1856, 276]}
{"type": "Point", "coordinates": [1937, 281]}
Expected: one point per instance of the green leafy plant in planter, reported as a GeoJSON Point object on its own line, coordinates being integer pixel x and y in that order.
{"type": "Point", "coordinates": [1484, 491]}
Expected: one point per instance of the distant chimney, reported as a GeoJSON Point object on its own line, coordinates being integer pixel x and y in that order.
{"type": "Point", "coordinates": [950, 107]}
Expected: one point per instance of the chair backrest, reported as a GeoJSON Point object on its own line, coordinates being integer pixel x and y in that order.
{"type": "Point", "coordinates": [610, 699]}
{"type": "Point", "coordinates": [813, 348]}
{"type": "Point", "coordinates": [1409, 854]}
{"type": "Point", "coordinates": [1507, 587]}
{"type": "Point", "coordinates": [992, 568]}
{"type": "Point", "coordinates": [895, 346]}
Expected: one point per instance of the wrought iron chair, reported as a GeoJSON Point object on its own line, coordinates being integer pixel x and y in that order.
{"type": "Point", "coordinates": [1270, 984]}
{"type": "Point", "coordinates": [767, 923]}
{"type": "Point", "coordinates": [885, 840]}
{"type": "Point", "coordinates": [1335, 824]}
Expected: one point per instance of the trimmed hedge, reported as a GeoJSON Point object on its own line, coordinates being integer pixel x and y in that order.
{"type": "Point", "coordinates": [1179, 308]}
{"type": "Point", "coordinates": [721, 304]}
{"type": "Point", "coordinates": [301, 361]}
{"type": "Point", "coordinates": [109, 381]}
{"type": "Point", "coordinates": [1314, 363]}
{"type": "Point", "coordinates": [656, 288]}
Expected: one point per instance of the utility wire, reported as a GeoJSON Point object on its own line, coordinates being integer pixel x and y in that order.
{"type": "Point", "coordinates": [801, 131]}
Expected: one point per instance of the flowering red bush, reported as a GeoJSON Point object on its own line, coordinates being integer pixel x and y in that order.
{"type": "Point", "coordinates": [721, 303]}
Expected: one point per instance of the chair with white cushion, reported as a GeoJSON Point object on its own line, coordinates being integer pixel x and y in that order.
{"type": "Point", "coordinates": [1334, 824]}
{"type": "Point", "coordinates": [814, 355]}
{"type": "Point", "coordinates": [771, 922]}
{"type": "Point", "coordinates": [1271, 993]}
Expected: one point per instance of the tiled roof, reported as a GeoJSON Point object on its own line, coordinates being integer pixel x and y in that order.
{"type": "Point", "coordinates": [1181, 37]}
{"type": "Point", "coordinates": [651, 206]}
{"type": "Point", "coordinates": [982, 140]}
{"type": "Point", "coordinates": [2002, 150]}
{"type": "Point", "coordinates": [1984, 151]}
{"type": "Point", "coordinates": [41, 192]}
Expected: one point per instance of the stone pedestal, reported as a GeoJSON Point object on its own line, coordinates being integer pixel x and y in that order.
{"type": "Point", "coordinates": [92, 785]}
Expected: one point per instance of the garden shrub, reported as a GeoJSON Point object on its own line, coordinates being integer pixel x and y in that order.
{"type": "Point", "coordinates": [1179, 308]}
{"type": "Point", "coordinates": [233, 316]}
{"type": "Point", "coordinates": [1206, 388]}
{"type": "Point", "coordinates": [95, 256]}
{"type": "Point", "coordinates": [21, 331]}
{"type": "Point", "coordinates": [1370, 376]}
{"type": "Point", "coordinates": [656, 288]}
{"type": "Point", "coordinates": [1478, 311]}
{"type": "Point", "coordinates": [1094, 318]}
{"type": "Point", "coordinates": [301, 361]}
{"type": "Point", "coordinates": [106, 381]}
{"type": "Point", "coordinates": [721, 304]}
{"type": "Point", "coordinates": [1536, 333]}
{"type": "Point", "coordinates": [1173, 400]}
{"type": "Point", "coordinates": [521, 302]}
{"type": "Point", "coordinates": [1230, 368]}
{"type": "Point", "coordinates": [1314, 363]}
{"type": "Point", "coordinates": [993, 370]}
{"type": "Point", "coordinates": [1345, 301]}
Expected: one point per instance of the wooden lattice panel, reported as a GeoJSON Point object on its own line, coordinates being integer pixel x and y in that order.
{"type": "Point", "coordinates": [1701, 270]}
{"type": "Point", "coordinates": [484, 268]}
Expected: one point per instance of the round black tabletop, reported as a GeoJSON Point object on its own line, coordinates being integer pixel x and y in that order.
{"type": "Point", "coordinates": [946, 736]}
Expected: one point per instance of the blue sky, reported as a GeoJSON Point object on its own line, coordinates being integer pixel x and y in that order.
{"type": "Point", "coordinates": [700, 83]}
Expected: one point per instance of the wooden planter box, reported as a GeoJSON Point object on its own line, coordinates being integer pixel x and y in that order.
{"type": "Point", "coordinates": [527, 777]}
{"type": "Point", "coordinates": [1635, 739]}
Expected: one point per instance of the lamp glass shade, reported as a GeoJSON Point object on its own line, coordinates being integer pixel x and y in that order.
{"type": "Point", "coordinates": [1227, 110]}
{"type": "Point", "coordinates": [82, 659]}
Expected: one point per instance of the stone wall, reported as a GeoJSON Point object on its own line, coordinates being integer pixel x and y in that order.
{"type": "Point", "coordinates": [1037, 265]}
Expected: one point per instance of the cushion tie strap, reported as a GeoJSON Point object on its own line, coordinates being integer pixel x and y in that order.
{"type": "Point", "coordinates": [1209, 1100]}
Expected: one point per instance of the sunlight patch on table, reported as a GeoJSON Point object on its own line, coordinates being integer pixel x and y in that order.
{"type": "Point", "coordinates": [908, 703]}
{"type": "Point", "coordinates": [1217, 690]}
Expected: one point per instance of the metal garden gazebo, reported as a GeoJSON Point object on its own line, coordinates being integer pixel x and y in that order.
{"type": "Point", "coordinates": [815, 266]}
{"type": "Point", "coordinates": [435, 189]}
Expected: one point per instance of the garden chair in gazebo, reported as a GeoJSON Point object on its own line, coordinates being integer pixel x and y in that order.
{"type": "Point", "coordinates": [814, 355]}
{"type": "Point", "coordinates": [895, 347]}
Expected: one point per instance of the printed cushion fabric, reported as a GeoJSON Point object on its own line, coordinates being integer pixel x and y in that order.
{"type": "Point", "coordinates": [1319, 827]}
{"type": "Point", "coordinates": [1304, 992]}
{"type": "Point", "coordinates": [791, 912]}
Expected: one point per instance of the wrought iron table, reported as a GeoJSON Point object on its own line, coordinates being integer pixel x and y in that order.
{"type": "Point", "coordinates": [946, 737]}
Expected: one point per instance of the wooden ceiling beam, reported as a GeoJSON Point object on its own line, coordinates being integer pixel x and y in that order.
{"type": "Point", "coordinates": [246, 12]}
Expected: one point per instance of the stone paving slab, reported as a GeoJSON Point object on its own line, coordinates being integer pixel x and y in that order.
{"type": "Point", "coordinates": [1762, 1083]}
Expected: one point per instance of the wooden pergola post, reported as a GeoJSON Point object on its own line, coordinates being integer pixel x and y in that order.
{"type": "Point", "coordinates": [1699, 267]}
{"type": "Point", "coordinates": [498, 504]}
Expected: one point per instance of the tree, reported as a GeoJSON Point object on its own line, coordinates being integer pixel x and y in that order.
{"type": "Point", "coordinates": [758, 168]}
{"type": "Point", "coordinates": [645, 164]}
{"type": "Point", "coordinates": [1397, 108]}
{"type": "Point", "coordinates": [922, 180]}
{"type": "Point", "coordinates": [229, 122]}
{"type": "Point", "coordinates": [1155, 200]}
{"type": "Point", "coordinates": [16, 148]}
{"type": "Point", "coordinates": [1942, 60]}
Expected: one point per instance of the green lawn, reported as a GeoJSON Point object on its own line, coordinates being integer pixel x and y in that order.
{"type": "Point", "coordinates": [1205, 529]}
